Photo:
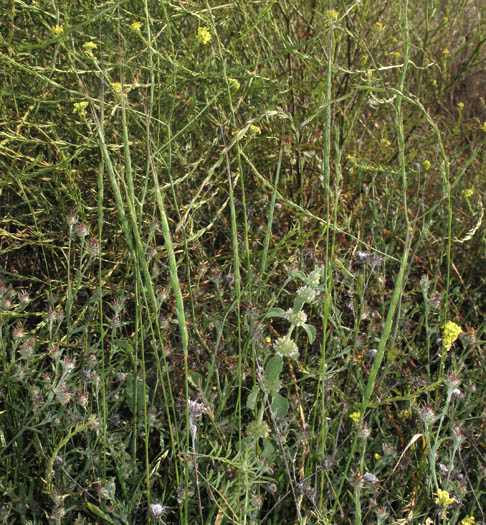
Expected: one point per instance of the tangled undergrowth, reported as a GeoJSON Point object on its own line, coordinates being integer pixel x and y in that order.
{"type": "Point", "coordinates": [242, 262]}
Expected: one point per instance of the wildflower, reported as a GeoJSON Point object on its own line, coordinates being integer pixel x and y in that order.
{"type": "Point", "coordinates": [117, 87]}
{"type": "Point", "coordinates": [89, 47]}
{"type": "Point", "coordinates": [157, 510]}
{"type": "Point", "coordinates": [204, 35]}
{"type": "Point", "coordinates": [268, 340]}
{"type": "Point", "coordinates": [285, 347]}
{"type": "Point", "coordinates": [451, 332]}
{"type": "Point", "coordinates": [445, 51]}
{"type": "Point", "coordinates": [258, 430]}
{"type": "Point", "coordinates": [135, 27]}
{"type": "Point", "coordinates": [468, 193]}
{"type": "Point", "coordinates": [460, 106]}
{"type": "Point", "coordinates": [255, 130]}
{"type": "Point", "coordinates": [93, 247]}
{"type": "Point", "coordinates": [379, 26]}
{"type": "Point", "coordinates": [395, 55]}
{"type": "Point", "coordinates": [80, 107]}
{"type": "Point", "coordinates": [427, 415]}
{"type": "Point", "coordinates": [355, 416]}
{"type": "Point", "coordinates": [468, 521]}
{"type": "Point", "coordinates": [82, 230]}
{"type": "Point", "coordinates": [296, 318]}
{"type": "Point", "coordinates": [385, 142]}
{"type": "Point", "coordinates": [234, 83]}
{"type": "Point", "coordinates": [57, 30]}
{"type": "Point", "coordinates": [18, 332]}
{"type": "Point", "coordinates": [332, 14]}
{"type": "Point", "coordinates": [196, 410]}
{"type": "Point", "coordinates": [443, 499]}
{"type": "Point", "coordinates": [71, 219]}
{"type": "Point", "coordinates": [306, 293]}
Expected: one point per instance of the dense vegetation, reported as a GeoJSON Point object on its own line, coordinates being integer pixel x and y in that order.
{"type": "Point", "coordinates": [243, 256]}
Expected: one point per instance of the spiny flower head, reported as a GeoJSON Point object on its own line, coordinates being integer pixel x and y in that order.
{"type": "Point", "coordinates": [451, 332]}
{"type": "Point", "coordinates": [285, 347]}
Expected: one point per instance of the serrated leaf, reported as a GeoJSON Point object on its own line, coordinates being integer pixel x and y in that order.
{"type": "Point", "coordinates": [276, 312]}
{"type": "Point", "coordinates": [252, 397]}
{"type": "Point", "coordinates": [280, 406]}
{"type": "Point", "coordinates": [274, 367]}
{"type": "Point", "coordinates": [310, 331]}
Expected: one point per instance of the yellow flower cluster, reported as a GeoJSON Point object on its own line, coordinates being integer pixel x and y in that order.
{"type": "Point", "coordinates": [332, 14]}
{"type": "Point", "coordinates": [468, 521]}
{"type": "Point", "coordinates": [355, 417]}
{"type": "Point", "coordinates": [204, 35]}
{"type": "Point", "coordinates": [468, 193]}
{"type": "Point", "coordinates": [89, 46]}
{"type": "Point", "coordinates": [255, 130]}
{"type": "Point", "coordinates": [116, 86]}
{"type": "Point", "coordinates": [57, 30]}
{"type": "Point", "coordinates": [135, 27]}
{"type": "Point", "coordinates": [234, 83]}
{"type": "Point", "coordinates": [451, 332]}
{"type": "Point", "coordinates": [443, 499]}
{"type": "Point", "coordinates": [80, 107]}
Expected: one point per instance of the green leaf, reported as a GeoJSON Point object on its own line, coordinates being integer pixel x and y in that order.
{"type": "Point", "coordinates": [310, 331]}
{"type": "Point", "coordinates": [96, 510]}
{"type": "Point", "coordinates": [276, 312]}
{"type": "Point", "coordinates": [252, 397]}
{"type": "Point", "coordinates": [274, 367]}
{"type": "Point", "coordinates": [280, 406]}
{"type": "Point", "coordinates": [268, 449]}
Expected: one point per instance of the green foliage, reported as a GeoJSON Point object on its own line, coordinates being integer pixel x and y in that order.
{"type": "Point", "coordinates": [242, 250]}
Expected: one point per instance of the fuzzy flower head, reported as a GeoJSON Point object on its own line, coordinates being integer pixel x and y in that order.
{"type": "Point", "coordinates": [451, 332]}
{"type": "Point", "coordinates": [296, 318]}
{"type": "Point", "coordinates": [204, 35]}
{"type": "Point", "coordinates": [307, 293]}
{"type": "Point", "coordinates": [285, 347]}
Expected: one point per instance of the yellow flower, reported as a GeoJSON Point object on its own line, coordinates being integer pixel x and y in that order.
{"type": "Point", "coordinates": [355, 416]}
{"type": "Point", "coordinates": [204, 35]}
{"type": "Point", "coordinates": [89, 46]}
{"type": "Point", "coordinates": [116, 86]}
{"type": "Point", "coordinates": [255, 130]}
{"type": "Point", "coordinates": [460, 105]}
{"type": "Point", "coordinates": [451, 332]}
{"type": "Point", "coordinates": [445, 51]}
{"type": "Point", "coordinates": [332, 14]}
{"type": "Point", "coordinates": [80, 107]}
{"type": "Point", "coordinates": [377, 456]}
{"type": "Point", "coordinates": [468, 521]}
{"type": "Point", "coordinates": [234, 83]}
{"type": "Point", "coordinates": [135, 27]}
{"type": "Point", "coordinates": [57, 30]}
{"type": "Point", "coordinates": [443, 499]}
{"type": "Point", "coordinates": [385, 142]}
{"type": "Point", "coordinates": [468, 193]}
{"type": "Point", "coordinates": [379, 26]}
{"type": "Point", "coordinates": [427, 165]}
{"type": "Point", "coordinates": [395, 55]}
